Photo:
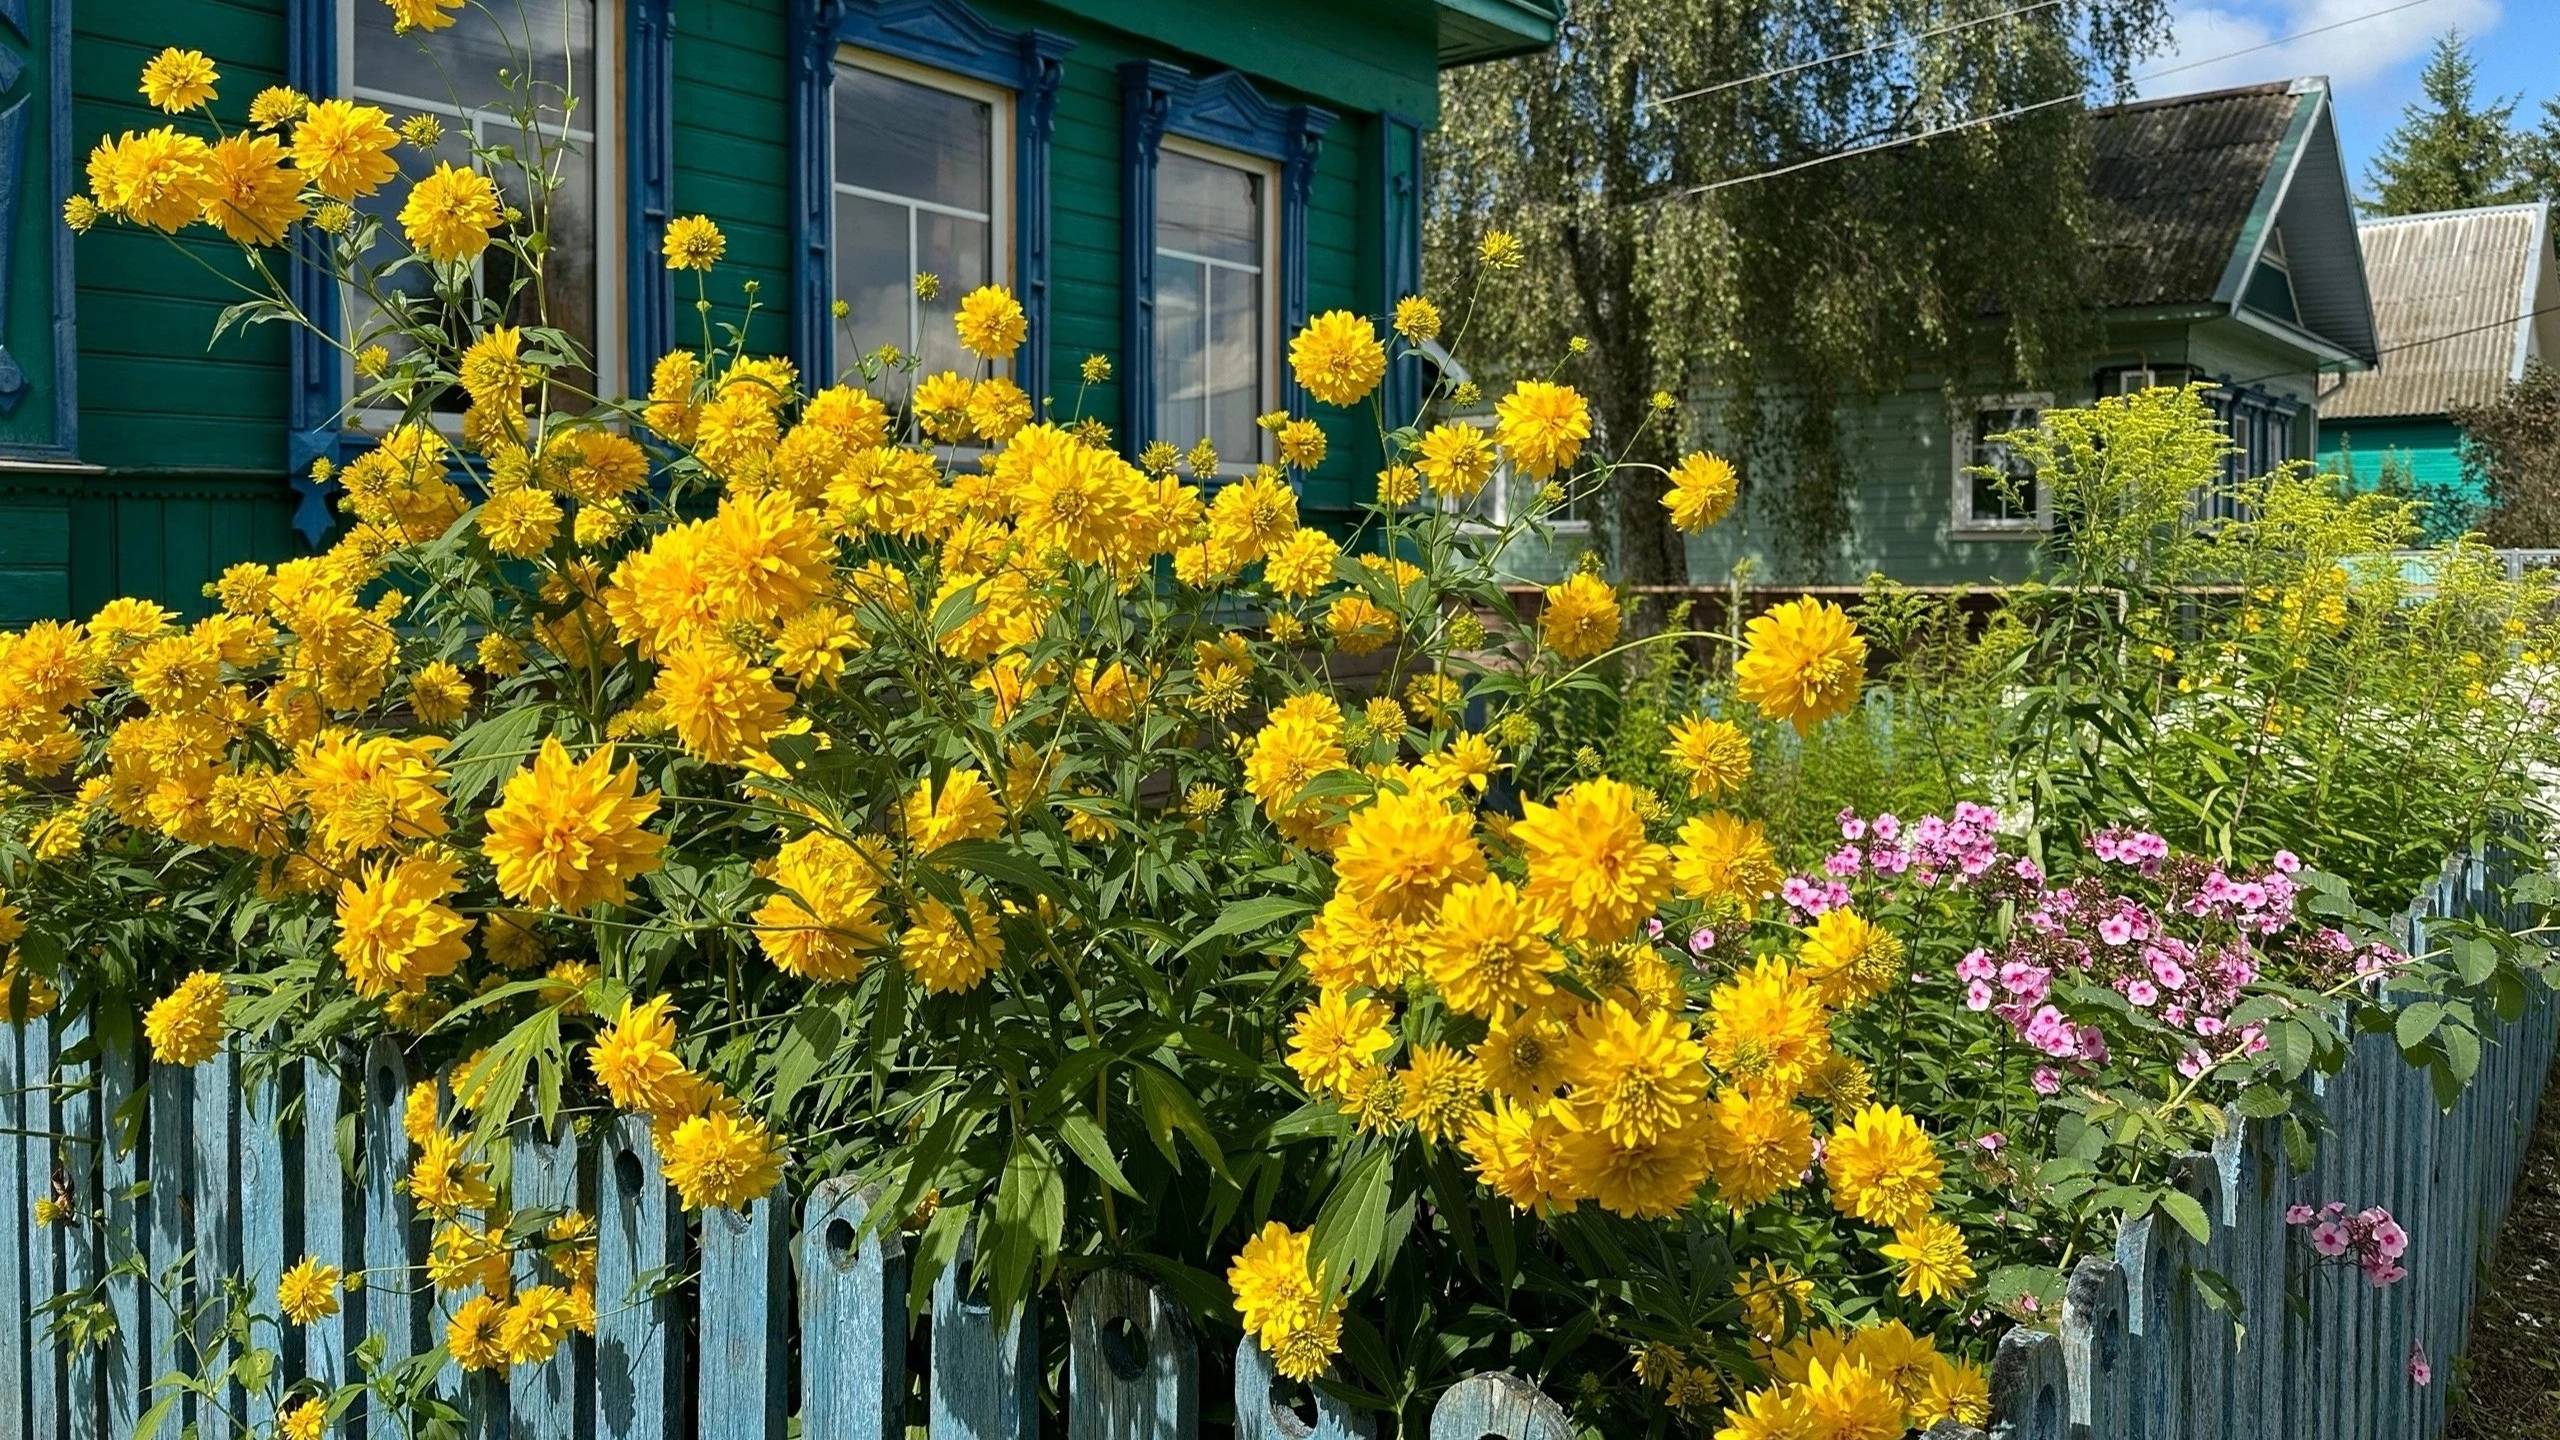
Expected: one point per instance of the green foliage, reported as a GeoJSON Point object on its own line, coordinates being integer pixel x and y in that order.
{"type": "Point", "coordinates": [2511, 449]}
{"type": "Point", "coordinates": [2450, 151]}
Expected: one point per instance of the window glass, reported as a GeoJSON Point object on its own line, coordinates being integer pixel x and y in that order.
{"type": "Point", "coordinates": [916, 189]}
{"type": "Point", "coordinates": [1211, 273]}
{"type": "Point", "coordinates": [452, 75]}
{"type": "Point", "coordinates": [1991, 499]}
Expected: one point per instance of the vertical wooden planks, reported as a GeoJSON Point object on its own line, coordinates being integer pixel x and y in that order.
{"type": "Point", "coordinates": [265, 1203]}
{"type": "Point", "coordinates": [170, 1228]}
{"type": "Point", "coordinates": [2094, 1349]}
{"type": "Point", "coordinates": [84, 1131]}
{"type": "Point", "coordinates": [213, 1197]}
{"type": "Point", "coordinates": [2264, 1191]}
{"type": "Point", "coordinates": [746, 1317]}
{"type": "Point", "coordinates": [123, 1168]}
{"type": "Point", "coordinates": [1502, 1407]}
{"type": "Point", "coordinates": [1261, 1416]}
{"type": "Point", "coordinates": [2144, 1254]}
{"type": "Point", "coordinates": [986, 1378]}
{"type": "Point", "coordinates": [640, 1234]}
{"type": "Point", "coordinates": [17, 1232]}
{"type": "Point", "coordinates": [45, 1377]}
{"type": "Point", "coordinates": [332, 1224]}
{"type": "Point", "coordinates": [555, 1399]}
{"type": "Point", "coordinates": [2027, 1388]}
{"type": "Point", "coordinates": [1133, 1363]}
{"type": "Point", "coordinates": [853, 1320]}
{"type": "Point", "coordinates": [395, 1305]}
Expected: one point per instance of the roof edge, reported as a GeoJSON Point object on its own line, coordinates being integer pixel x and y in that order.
{"type": "Point", "coordinates": [1472, 31]}
{"type": "Point", "coordinates": [2537, 263]}
{"type": "Point", "coordinates": [2271, 191]}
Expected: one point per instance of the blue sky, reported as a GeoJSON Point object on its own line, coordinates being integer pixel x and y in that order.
{"type": "Point", "coordinates": [2373, 64]}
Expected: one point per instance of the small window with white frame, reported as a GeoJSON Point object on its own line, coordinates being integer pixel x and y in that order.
{"type": "Point", "coordinates": [562, 61]}
{"type": "Point", "coordinates": [2134, 379]}
{"type": "Point", "coordinates": [1216, 293]}
{"type": "Point", "coordinates": [1507, 497]}
{"type": "Point", "coordinates": [923, 178]}
{"type": "Point", "coordinates": [1996, 489]}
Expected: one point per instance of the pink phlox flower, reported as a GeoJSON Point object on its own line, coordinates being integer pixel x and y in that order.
{"type": "Point", "coordinates": [2297, 1214]}
{"type": "Point", "coordinates": [2330, 1239]}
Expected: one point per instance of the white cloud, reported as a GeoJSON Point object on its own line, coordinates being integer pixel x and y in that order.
{"type": "Point", "coordinates": [2209, 32]}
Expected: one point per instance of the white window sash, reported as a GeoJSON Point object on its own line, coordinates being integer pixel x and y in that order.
{"type": "Point", "coordinates": [1964, 522]}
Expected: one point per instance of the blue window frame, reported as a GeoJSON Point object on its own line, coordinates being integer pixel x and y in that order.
{"type": "Point", "coordinates": [921, 38]}
{"type": "Point", "coordinates": [1219, 113]}
{"type": "Point", "coordinates": [632, 202]}
{"type": "Point", "coordinates": [39, 410]}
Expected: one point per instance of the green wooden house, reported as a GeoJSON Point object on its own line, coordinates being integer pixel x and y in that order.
{"type": "Point", "coordinates": [1172, 183]}
{"type": "Point", "coordinates": [2464, 300]}
{"type": "Point", "coordinates": [2227, 254]}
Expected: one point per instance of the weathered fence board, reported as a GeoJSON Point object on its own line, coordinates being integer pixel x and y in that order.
{"type": "Point", "coordinates": [727, 1326]}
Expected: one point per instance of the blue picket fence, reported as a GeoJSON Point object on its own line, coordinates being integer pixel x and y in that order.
{"type": "Point", "coordinates": [728, 1325]}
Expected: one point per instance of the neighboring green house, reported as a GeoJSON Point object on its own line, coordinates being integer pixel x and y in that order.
{"type": "Point", "coordinates": [1171, 183]}
{"type": "Point", "coordinates": [2464, 300]}
{"type": "Point", "coordinates": [2227, 254]}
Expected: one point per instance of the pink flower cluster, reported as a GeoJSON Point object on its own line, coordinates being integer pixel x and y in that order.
{"type": "Point", "coordinates": [1951, 851]}
{"type": "Point", "coordinates": [2369, 1239]}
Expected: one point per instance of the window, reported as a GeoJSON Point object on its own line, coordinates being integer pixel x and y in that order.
{"type": "Point", "coordinates": [1507, 497]}
{"type": "Point", "coordinates": [1995, 488]}
{"type": "Point", "coordinates": [2261, 426]}
{"type": "Point", "coordinates": [1213, 322]}
{"type": "Point", "coordinates": [2134, 379]}
{"type": "Point", "coordinates": [920, 188]}
{"type": "Point", "coordinates": [453, 76]}
{"type": "Point", "coordinates": [2270, 289]}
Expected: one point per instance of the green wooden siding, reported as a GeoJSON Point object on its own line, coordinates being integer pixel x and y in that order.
{"type": "Point", "coordinates": [2430, 445]}
{"type": "Point", "coordinates": [188, 439]}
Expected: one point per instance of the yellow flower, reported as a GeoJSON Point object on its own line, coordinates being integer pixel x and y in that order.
{"type": "Point", "coordinates": [1442, 1087]}
{"type": "Point", "coordinates": [1932, 1258]}
{"type": "Point", "coordinates": [1398, 486]}
{"type": "Point", "coordinates": [1489, 953]}
{"type": "Point", "coordinates": [1715, 753]}
{"type": "Point", "coordinates": [1359, 626]}
{"type": "Point", "coordinates": [721, 1159]}
{"type": "Point", "coordinates": [825, 917]}
{"type": "Point", "coordinates": [1401, 852]}
{"type": "Point", "coordinates": [408, 15]}
{"type": "Point", "coordinates": [1303, 564]}
{"type": "Point", "coordinates": [1523, 1055]}
{"type": "Point", "coordinates": [990, 322]}
{"type": "Point", "coordinates": [1457, 459]}
{"type": "Point", "coordinates": [471, 1337]}
{"type": "Point", "coordinates": [1766, 1030]}
{"type": "Point", "coordinates": [276, 105]}
{"type": "Point", "coordinates": [962, 809]}
{"type": "Point", "coordinates": [1804, 663]}
{"type": "Point", "coordinates": [722, 708]}
{"type": "Point", "coordinates": [1590, 864]}
{"type": "Point", "coordinates": [395, 932]}
{"type": "Point", "coordinates": [80, 213]}
{"type": "Point", "coordinates": [1758, 1146]}
{"type": "Point", "coordinates": [443, 1183]}
{"type": "Point", "coordinates": [185, 1025]}
{"type": "Point", "coordinates": [1846, 1401]}
{"type": "Point", "coordinates": [997, 409]}
{"type": "Point", "coordinates": [250, 195]}
{"type": "Point", "coordinates": [694, 243]}
{"type": "Point", "coordinates": [308, 1420]}
{"type": "Point", "coordinates": [569, 833]}
{"type": "Point", "coordinates": [159, 178]}
{"type": "Point", "coordinates": [1580, 617]}
{"type": "Point", "coordinates": [1648, 1180]}
{"type": "Point", "coordinates": [308, 1291]}
{"type": "Point", "coordinates": [536, 1323]}
{"type": "Point", "coordinates": [520, 523]}
{"type": "Point", "coordinates": [949, 950]}
{"type": "Point", "coordinates": [1096, 369]}
{"type": "Point", "coordinates": [1702, 492]}
{"type": "Point", "coordinates": [1515, 1150]}
{"type": "Point", "coordinates": [1955, 1391]}
{"type": "Point", "coordinates": [635, 1061]}
{"type": "Point", "coordinates": [1541, 426]}
{"type": "Point", "coordinates": [1724, 858]}
{"type": "Point", "coordinates": [1417, 319]}
{"type": "Point", "coordinates": [1333, 1041]}
{"type": "Point", "coordinates": [1286, 1306]}
{"type": "Point", "coordinates": [1634, 1080]}
{"type": "Point", "coordinates": [1337, 357]}
{"type": "Point", "coordinates": [1848, 959]}
{"type": "Point", "coordinates": [1501, 250]}
{"type": "Point", "coordinates": [1302, 444]}
{"type": "Point", "coordinates": [178, 80]}
{"type": "Point", "coordinates": [1882, 1168]}
{"type": "Point", "coordinates": [1770, 1413]}
{"type": "Point", "coordinates": [449, 214]}
{"type": "Point", "coordinates": [345, 148]}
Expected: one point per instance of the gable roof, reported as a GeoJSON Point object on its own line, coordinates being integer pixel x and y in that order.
{"type": "Point", "coordinates": [2442, 286]}
{"type": "Point", "coordinates": [2192, 190]}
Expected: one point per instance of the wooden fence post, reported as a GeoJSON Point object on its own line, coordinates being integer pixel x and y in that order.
{"type": "Point", "coordinates": [171, 1231]}
{"type": "Point", "coordinates": [1502, 1406]}
{"type": "Point", "coordinates": [84, 1138]}
{"type": "Point", "coordinates": [746, 1321]}
{"type": "Point", "coordinates": [1133, 1362]}
{"type": "Point", "coordinates": [2200, 1335]}
{"type": "Point", "coordinates": [2029, 1389]}
{"type": "Point", "coordinates": [122, 1167]}
{"type": "Point", "coordinates": [2150, 1278]}
{"type": "Point", "coordinates": [213, 1195]}
{"type": "Point", "coordinates": [1261, 1416]}
{"type": "Point", "coordinates": [2096, 1349]}
{"type": "Point", "coordinates": [553, 1400]}
{"type": "Point", "coordinates": [985, 1379]}
{"type": "Point", "coordinates": [641, 1359]}
{"type": "Point", "coordinates": [393, 1246]}
{"type": "Point", "coordinates": [18, 1350]}
{"type": "Point", "coordinates": [853, 1320]}
{"type": "Point", "coordinates": [265, 1204]}
{"type": "Point", "coordinates": [332, 1219]}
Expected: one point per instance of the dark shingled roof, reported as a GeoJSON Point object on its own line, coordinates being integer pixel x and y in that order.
{"type": "Point", "coordinates": [2174, 180]}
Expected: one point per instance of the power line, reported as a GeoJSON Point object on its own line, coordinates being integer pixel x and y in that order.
{"type": "Point", "coordinates": [2500, 324]}
{"type": "Point", "coordinates": [1882, 45]}
{"type": "Point", "coordinates": [2016, 111]}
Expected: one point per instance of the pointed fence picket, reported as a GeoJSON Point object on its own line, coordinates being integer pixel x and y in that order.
{"type": "Point", "coordinates": [741, 1326]}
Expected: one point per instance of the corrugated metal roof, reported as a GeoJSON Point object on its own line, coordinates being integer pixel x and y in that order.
{"type": "Point", "coordinates": [2175, 180]}
{"type": "Point", "coordinates": [2441, 285]}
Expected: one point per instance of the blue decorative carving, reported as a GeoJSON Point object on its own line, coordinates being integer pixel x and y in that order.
{"type": "Point", "coordinates": [944, 35]}
{"type": "Point", "coordinates": [1158, 99]}
{"type": "Point", "coordinates": [1399, 139]}
{"type": "Point", "coordinates": [35, 159]}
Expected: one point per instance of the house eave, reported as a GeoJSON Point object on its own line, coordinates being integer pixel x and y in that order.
{"type": "Point", "coordinates": [1472, 31]}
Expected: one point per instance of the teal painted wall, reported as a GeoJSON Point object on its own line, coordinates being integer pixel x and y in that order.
{"type": "Point", "coordinates": [184, 441]}
{"type": "Point", "coordinates": [2432, 447]}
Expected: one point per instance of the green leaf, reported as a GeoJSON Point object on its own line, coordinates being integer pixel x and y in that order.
{"type": "Point", "coordinates": [1351, 1230]}
{"type": "Point", "coordinates": [2461, 1050]}
{"type": "Point", "coordinates": [1085, 1136]}
{"type": "Point", "coordinates": [488, 752]}
{"type": "Point", "coordinates": [149, 1424]}
{"type": "Point", "coordinates": [2184, 1208]}
{"type": "Point", "coordinates": [2417, 1023]}
{"type": "Point", "coordinates": [1031, 1214]}
{"type": "Point", "coordinates": [2475, 960]}
{"type": "Point", "coordinates": [1168, 1108]}
{"type": "Point", "coordinates": [1249, 916]}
